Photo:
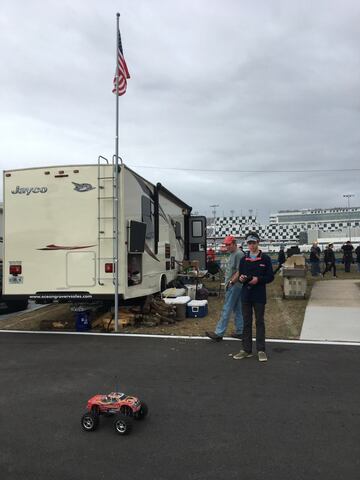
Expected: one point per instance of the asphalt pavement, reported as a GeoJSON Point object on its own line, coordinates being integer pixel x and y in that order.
{"type": "Point", "coordinates": [211, 417]}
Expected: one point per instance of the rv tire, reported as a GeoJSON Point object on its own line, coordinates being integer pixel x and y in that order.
{"type": "Point", "coordinates": [17, 305]}
{"type": "Point", "coordinates": [163, 283]}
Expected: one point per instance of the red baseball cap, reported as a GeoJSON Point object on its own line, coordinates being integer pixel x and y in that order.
{"type": "Point", "coordinates": [229, 240]}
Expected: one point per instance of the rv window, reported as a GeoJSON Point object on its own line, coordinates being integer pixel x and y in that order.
{"type": "Point", "coordinates": [177, 230]}
{"type": "Point", "coordinates": [197, 230]}
{"type": "Point", "coordinates": [147, 213]}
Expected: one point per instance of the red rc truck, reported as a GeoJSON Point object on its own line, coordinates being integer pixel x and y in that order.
{"type": "Point", "coordinates": [123, 407]}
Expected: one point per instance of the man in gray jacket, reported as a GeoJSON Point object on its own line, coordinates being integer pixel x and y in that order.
{"type": "Point", "coordinates": [232, 303]}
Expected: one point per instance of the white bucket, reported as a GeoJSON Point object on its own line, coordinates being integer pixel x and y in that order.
{"type": "Point", "coordinates": [191, 291]}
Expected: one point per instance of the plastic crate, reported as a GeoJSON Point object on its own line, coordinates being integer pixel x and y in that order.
{"type": "Point", "coordinates": [295, 287]}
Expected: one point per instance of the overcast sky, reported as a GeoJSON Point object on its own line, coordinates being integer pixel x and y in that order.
{"type": "Point", "coordinates": [230, 85]}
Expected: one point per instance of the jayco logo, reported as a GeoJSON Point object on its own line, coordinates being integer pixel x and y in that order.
{"type": "Point", "coordinates": [28, 190]}
{"type": "Point", "coordinates": [83, 187]}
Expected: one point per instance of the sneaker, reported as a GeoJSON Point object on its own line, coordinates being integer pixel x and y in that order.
{"type": "Point", "coordinates": [242, 354]}
{"type": "Point", "coordinates": [214, 336]}
{"type": "Point", "coordinates": [262, 356]}
{"type": "Point", "coordinates": [239, 336]}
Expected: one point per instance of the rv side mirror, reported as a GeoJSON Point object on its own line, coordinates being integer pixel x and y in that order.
{"type": "Point", "coordinates": [137, 232]}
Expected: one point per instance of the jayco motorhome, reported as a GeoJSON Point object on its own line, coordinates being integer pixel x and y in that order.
{"type": "Point", "coordinates": [61, 240]}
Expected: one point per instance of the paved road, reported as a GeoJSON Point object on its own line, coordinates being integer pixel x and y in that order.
{"type": "Point", "coordinates": [333, 311]}
{"type": "Point", "coordinates": [211, 417]}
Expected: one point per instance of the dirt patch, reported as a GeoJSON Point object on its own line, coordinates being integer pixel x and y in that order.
{"type": "Point", "coordinates": [283, 317]}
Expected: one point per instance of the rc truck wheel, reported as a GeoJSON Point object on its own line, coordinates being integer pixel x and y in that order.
{"type": "Point", "coordinates": [126, 410]}
{"type": "Point", "coordinates": [123, 425]}
{"type": "Point", "coordinates": [141, 414]}
{"type": "Point", "coordinates": [95, 411]}
{"type": "Point", "coordinates": [89, 422]}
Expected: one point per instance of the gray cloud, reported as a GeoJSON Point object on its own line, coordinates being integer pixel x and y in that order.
{"type": "Point", "coordinates": [263, 85]}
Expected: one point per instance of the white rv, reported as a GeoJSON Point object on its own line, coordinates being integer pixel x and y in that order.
{"type": "Point", "coordinates": [61, 240]}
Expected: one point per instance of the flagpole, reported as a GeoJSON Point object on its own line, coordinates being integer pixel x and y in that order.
{"type": "Point", "coordinates": [116, 188]}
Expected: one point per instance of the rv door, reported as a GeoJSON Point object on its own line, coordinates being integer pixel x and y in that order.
{"type": "Point", "coordinates": [197, 240]}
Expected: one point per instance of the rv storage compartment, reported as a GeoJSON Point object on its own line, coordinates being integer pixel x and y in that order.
{"type": "Point", "coordinates": [197, 309]}
{"type": "Point", "coordinates": [180, 304]}
{"type": "Point", "coordinates": [134, 269]}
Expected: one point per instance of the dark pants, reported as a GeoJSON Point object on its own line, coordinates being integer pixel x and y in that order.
{"type": "Point", "coordinates": [247, 311]}
{"type": "Point", "coordinates": [329, 267]}
{"type": "Point", "coordinates": [315, 268]}
{"type": "Point", "coordinates": [347, 265]}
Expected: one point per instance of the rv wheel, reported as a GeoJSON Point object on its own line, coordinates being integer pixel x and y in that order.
{"type": "Point", "coordinates": [163, 283]}
{"type": "Point", "coordinates": [17, 305]}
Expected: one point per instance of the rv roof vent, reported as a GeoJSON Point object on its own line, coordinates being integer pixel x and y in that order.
{"type": "Point", "coordinates": [8, 175]}
{"type": "Point", "coordinates": [47, 173]}
{"type": "Point", "coordinates": [76, 171]}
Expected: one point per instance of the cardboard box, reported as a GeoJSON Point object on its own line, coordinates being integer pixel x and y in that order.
{"type": "Point", "coordinates": [295, 261]}
{"type": "Point", "coordinates": [190, 265]}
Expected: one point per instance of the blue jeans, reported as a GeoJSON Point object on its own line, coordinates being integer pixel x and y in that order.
{"type": "Point", "coordinates": [232, 303]}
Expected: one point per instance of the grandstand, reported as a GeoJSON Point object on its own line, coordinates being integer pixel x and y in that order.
{"type": "Point", "coordinates": [291, 226]}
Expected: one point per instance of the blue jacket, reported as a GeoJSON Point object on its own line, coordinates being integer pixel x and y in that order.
{"type": "Point", "coordinates": [260, 267]}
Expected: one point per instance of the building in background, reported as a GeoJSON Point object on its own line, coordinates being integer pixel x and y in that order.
{"type": "Point", "coordinates": [292, 227]}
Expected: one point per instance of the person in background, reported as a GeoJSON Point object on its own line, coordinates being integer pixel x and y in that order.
{"type": "Point", "coordinates": [357, 253]}
{"type": "Point", "coordinates": [281, 259]}
{"type": "Point", "coordinates": [315, 260]}
{"type": "Point", "coordinates": [211, 255]}
{"type": "Point", "coordinates": [329, 260]}
{"type": "Point", "coordinates": [255, 271]}
{"type": "Point", "coordinates": [347, 249]}
{"type": "Point", "coordinates": [232, 302]}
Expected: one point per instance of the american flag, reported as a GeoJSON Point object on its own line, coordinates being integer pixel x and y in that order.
{"type": "Point", "coordinates": [121, 70]}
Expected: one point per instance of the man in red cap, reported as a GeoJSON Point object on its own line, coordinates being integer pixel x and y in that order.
{"type": "Point", "coordinates": [232, 303]}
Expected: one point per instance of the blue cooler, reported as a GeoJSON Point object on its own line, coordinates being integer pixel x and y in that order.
{"type": "Point", "coordinates": [82, 321]}
{"type": "Point", "coordinates": [197, 309]}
